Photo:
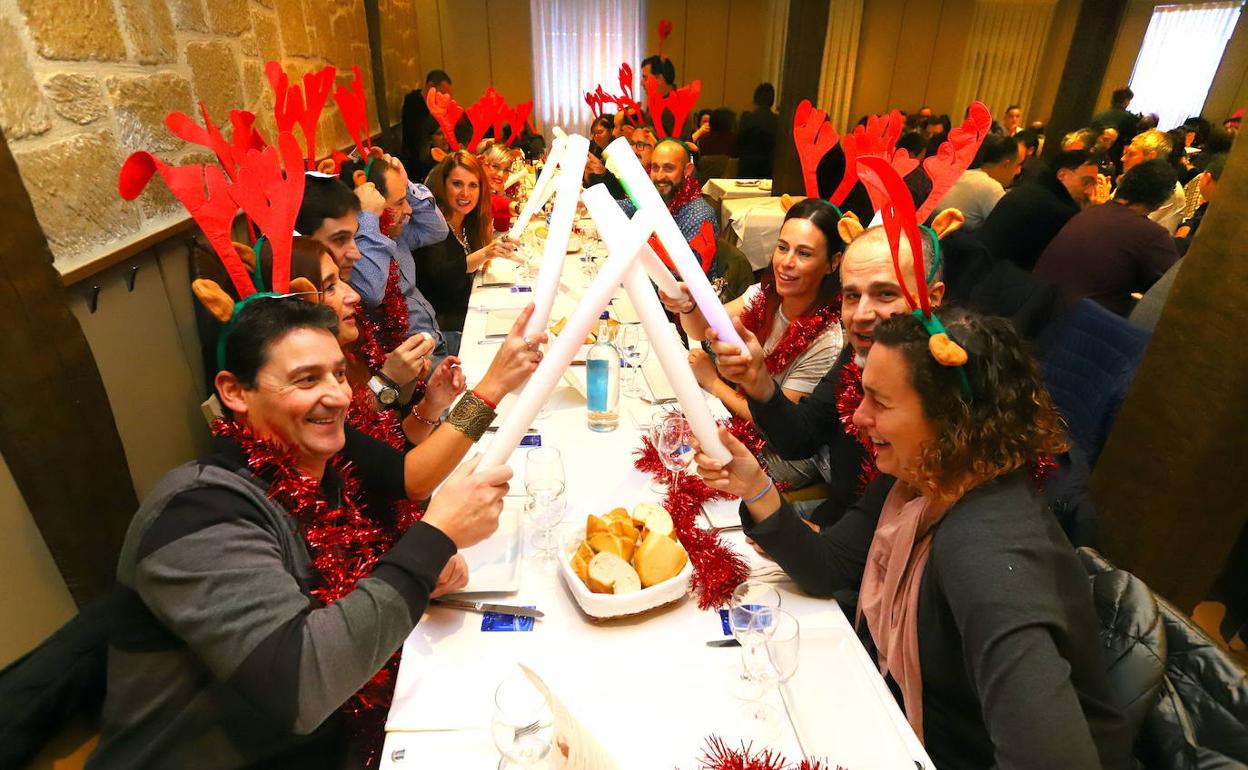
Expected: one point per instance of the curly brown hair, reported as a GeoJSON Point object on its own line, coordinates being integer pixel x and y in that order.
{"type": "Point", "coordinates": [1008, 422]}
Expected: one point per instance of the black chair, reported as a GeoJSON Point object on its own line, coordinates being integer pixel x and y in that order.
{"type": "Point", "coordinates": [1185, 698]}
{"type": "Point", "coordinates": [1089, 370]}
{"type": "Point", "coordinates": [56, 684]}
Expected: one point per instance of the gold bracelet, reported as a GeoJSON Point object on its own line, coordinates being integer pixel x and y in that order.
{"type": "Point", "coordinates": [471, 416]}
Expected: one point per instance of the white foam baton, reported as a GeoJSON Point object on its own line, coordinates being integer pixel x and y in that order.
{"type": "Point", "coordinates": [567, 193]}
{"type": "Point", "coordinates": [565, 346]}
{"type": "Point", "coordinates": [621, 161]}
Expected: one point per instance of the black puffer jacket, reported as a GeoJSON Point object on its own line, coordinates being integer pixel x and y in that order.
{"type": "Point", "coordinates": [1185, 698]}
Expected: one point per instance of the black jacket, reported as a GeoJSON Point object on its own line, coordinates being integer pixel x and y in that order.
{"type": "Point", "coordinates": [1026, 219]}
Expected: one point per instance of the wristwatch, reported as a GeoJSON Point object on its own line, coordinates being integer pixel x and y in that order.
{"type": "Point", "coordinates": [386, 393]}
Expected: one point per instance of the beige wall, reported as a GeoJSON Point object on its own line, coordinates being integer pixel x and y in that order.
{"type": "Point", "coordinates": [720, 42]}
{"type": "Point", "coordinates": [912, 53]}
{"type": "Point", "coordinates": [85, 82]}
{"type": "Point", "coordinates": [479, 43]}
{"type": "Point", "coordinates": [35, 601]}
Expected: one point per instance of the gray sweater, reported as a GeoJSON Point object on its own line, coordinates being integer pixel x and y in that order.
{"type": "Point", "coordinates": [221, 658]}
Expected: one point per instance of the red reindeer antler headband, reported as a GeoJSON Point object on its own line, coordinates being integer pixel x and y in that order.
{"type": "Point", "coordinates": [354, 110]}
{"type": "Point", "coordinates": [489, 111]}
{"type": "Point", "coordinates": [293, 105]}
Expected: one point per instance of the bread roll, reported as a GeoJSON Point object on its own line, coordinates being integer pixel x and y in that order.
{"type": "Point", "coordinates": [594, 525]}
{"type": "Point", "coordinates": [655, 518]}
{"type": "Point", "coordinates": [605, 542]}
{"type": "Point", "coordinates": [581, 567]}
{"type": "Point", "coordinates": [609, 573]}
{"type": "Point", "coordinates": [658, 558]}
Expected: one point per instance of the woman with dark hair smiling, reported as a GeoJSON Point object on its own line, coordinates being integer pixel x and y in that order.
{"type": "Point", "coordinates": [795, 312]}
{"type": "Point", "coordinates": [970, 597]}
{"type": "Point", "coordinates": [444, 270]}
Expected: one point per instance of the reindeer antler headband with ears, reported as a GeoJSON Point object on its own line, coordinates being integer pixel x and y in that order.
{"type": "Point", "coordinates": [814, 138]}
{"type": "Point", "coordinates": [267, 187]}
{"type": "Point", "coordinates": [293, 105]}
{"type": "Point", "coordinates": [901, 219]}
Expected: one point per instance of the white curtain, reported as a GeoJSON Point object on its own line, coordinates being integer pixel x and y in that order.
{"type": "Point", "coordinates": [1002, 54]}
{"type": "Point", "coordinates": [576, 46]}
{"type": "Point", "coordinates": [1180, 54]}
{"type": "Point", "coordinates": [840, 55]}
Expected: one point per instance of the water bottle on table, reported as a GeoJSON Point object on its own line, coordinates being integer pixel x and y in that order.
{"type": "Point", "coordinates": [602, 375]}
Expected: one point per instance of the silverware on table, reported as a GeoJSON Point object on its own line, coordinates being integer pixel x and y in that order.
{"type": "Point", "coordinates": [506, 609]}
{"type": "Point", "coordinates": [724, 643]}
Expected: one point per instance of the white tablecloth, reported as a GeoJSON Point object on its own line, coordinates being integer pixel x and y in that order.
{"type": "Point", "coordinates": [755, 224]}
{"type": "Point", "coordinates": [729, 189]}
{"type": "Point", "coordinates": [648, 688]}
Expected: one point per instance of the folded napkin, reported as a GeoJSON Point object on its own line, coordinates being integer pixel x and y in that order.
{"type": "Point", "coordinates": [499, 322]}
{"type": "Point", "coordinates": [661, 391]}
{"type": "Point", "coordinates": [623, 310]}
{"type": "Point", "coordinates": [500, 272]}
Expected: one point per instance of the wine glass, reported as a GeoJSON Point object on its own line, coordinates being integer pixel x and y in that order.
{"type": "Point", "coordinates": [770, 657]}
{"type": "Point", "coordinates": [750, 609]}
{"type": "Point", "coordinates": [544, 483]}
{"type": "Point", "coordinates": [671, 435]}
{"type": "Point", "coordinates": [634, 347]}
{"type": "Point", "coordinates": [523, 726]}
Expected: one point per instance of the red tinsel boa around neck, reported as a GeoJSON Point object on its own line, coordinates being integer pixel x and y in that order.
{"type": "Point", "coordinates": [343, 545]}
{"type": "Point", "coordinates": [802, 330]}
{"type": "Point", "coordinates": [690, 190]}
{"type": "Point", "coordinates": [387, 323]}
{"type": "Point", "coordinates": [717, 569]}
{"type": "Point", "coordinates": [718, 755]}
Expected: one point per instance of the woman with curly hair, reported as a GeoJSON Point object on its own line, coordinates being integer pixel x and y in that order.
{"type": "Point", "coordinates": [970, 597]}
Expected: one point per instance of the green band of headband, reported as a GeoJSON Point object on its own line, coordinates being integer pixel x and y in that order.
{"type": "Point", "coordinates": [932, 325]}
{"type": "Point", "coordinates": [229, 326]}
{"type": "Point", "coordinates": [935, 254]}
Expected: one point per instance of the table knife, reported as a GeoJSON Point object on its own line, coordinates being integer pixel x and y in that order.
{"type": "Point", "coordinates": [505, 609]}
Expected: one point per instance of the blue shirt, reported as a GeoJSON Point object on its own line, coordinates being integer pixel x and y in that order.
{"type": "Point", "coordinates": [371, 272]}
{"type": "Point", "coordinates": [689, 219]}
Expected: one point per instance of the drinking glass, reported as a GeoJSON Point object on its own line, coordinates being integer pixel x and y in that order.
{"type": "Point", "coordinates": [771, 658]}
{"type": "Point", "coordinates": [544, 483]}
{"type": "Point", "coordinates": [634, 347]}
{"type": "Point", "coordinates": [750, 609]}
{"type": "Point", "coordinates": [671, 437]}
{"type": "Point", "coordinates": [523, 726]}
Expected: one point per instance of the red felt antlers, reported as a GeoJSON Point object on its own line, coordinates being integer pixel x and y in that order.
{"type": "Point", "coordinates": [488, 112]}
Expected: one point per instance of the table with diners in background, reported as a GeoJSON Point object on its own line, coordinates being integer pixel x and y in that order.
{"type": "Point", "coordinates": [648, 688]}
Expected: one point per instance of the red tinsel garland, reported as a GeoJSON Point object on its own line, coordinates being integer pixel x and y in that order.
{"type": "Point", "coordinates": [387, 323]}
{"type": "Point", "coordinates": [717, 569]}
{"type": "Point", "coordinates": [718, 755]}
{"type": "Point", "coordinates": [802, 331]}
{"type": "Point", "coordinates": [847, 400]}
{"type": "Point", "coordinates": [366, 348]}
{"type": "Point", "coordinates": [344, 545]}
{"type": "Point", "coordinates": [381, 424]}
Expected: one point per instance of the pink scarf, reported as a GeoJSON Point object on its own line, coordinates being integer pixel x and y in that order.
{"type": "Point", "coordinates": [889, 595]}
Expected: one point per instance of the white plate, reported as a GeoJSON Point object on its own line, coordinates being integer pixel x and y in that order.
{"type": "Point", "coordinates": [494, 563]}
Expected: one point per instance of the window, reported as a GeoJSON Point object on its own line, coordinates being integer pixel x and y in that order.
{"type": "Point", "coordinates": [576, 46]}
{"type": "Point", "coordinates": [1180, 54]}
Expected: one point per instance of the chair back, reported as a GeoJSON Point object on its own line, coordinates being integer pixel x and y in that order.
{"type": "Point", "coordinates": [1089, 370]}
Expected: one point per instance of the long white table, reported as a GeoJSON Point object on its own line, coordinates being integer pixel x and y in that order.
{"type": "Point", "coordinates": [648, 688]}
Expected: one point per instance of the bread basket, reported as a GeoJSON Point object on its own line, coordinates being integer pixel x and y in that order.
{"type": "Point", "coordinates": [607, 606]}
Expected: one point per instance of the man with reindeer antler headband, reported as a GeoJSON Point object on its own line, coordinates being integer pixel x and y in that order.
{"type": "Point", "coordinates": [265, 587]}
{"type": "Point", "coordinates": [820, 425]}
{"type": "Point", "coordinates": [397, 217]}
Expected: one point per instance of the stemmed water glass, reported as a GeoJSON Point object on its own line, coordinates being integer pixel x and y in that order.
{"type": "Point", "coordinates": [671, 436]}
{"type": "Point", "coordinates": [544, 483]}
{"type": "Point", "coordinates": [634, 347]}
{"type": "Point", "coordinates": [770, 655]}
{"type": "Point", "coordinates": [523, 725]}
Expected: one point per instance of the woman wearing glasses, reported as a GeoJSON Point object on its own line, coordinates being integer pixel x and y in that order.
{"type": "Point", "coordinates": [496, 159]}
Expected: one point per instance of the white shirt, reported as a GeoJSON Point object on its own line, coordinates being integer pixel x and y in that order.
{"type": "Point", "coordinates": [975, 194]}
{"type": "Point", "coordinates": [804, 373]}
{"type": "Point", "coordinates": [1170, 214]}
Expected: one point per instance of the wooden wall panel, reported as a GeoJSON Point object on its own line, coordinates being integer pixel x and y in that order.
{"type": "Point", "coordinates": [1229, 90]}
{"type": "Point", "coordinates": [745, 62]}
{"type": "Point", "coordinates": [706, 43]}
{"type": "Point", "coordinates": [511, 50]}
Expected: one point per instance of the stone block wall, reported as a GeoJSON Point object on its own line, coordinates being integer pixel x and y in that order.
{"type": "Point", "coordinates": [85, 82]}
